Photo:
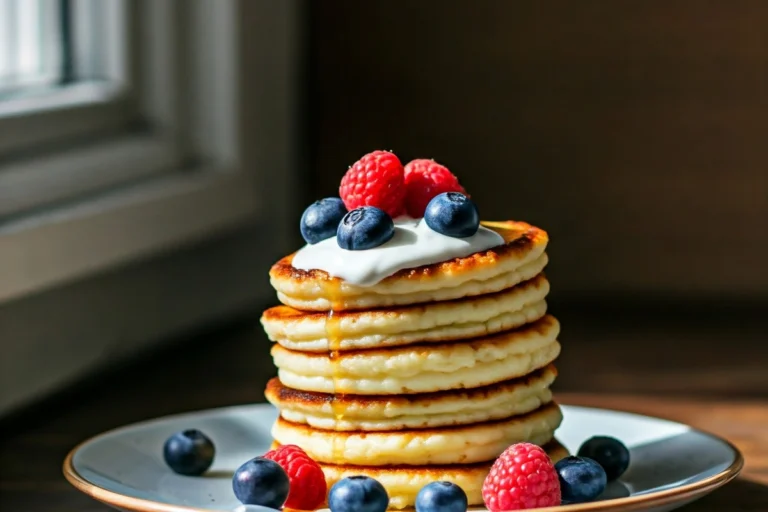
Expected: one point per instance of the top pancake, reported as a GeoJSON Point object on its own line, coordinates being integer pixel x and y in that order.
{"type": "Point", "coordinates": [520, 258]}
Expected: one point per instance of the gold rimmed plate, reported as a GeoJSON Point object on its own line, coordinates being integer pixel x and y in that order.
{"type": "Point", "coordinates": [671, 464]}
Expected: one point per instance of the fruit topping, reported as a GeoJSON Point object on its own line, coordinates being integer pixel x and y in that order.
{"type": "Point", "coordinates": [425, 179]}
{"type": "Point", "coordinates": [364, 228]}
{"type": "Point", "coordinates": [308, 487]}
{"type": "Point", "coordinates": [522, 477]}
{"type": "Point", "coordinates": [581, 479]}
{"type": "Point", "coordinates": [189, 452]}
{"type": "Point", "coordinates": [441, 497]}
{"type": "Point", "coordinates": [610, 453]}
{"type": "Point", "coordinates": [452, 214]}
{"type": "Point", "coordinates": [358, 494]}
{"type": "Point", "coordinates": [377, 180]}
{"type": "Point", "coordinates": [321, 219]}
{"type": "Point", "coordinates": [261, 481]}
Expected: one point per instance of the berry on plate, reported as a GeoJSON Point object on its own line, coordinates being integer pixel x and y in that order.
{"type": "Point", "coordinates": [452, 214]}
{"type": "Point", "coordinates": [261, 481]}
{"type": "Point", "coordinates": [609, 453]}
{"type": "Point", "coordinates": [377, 180]}
{"type": "Point", "coordinates": [358, 494]}
{"type": "Point", "coordinates": [581, 479]}
{"type": "Point", "coordinates": [522, 477]}
{"type": "Point", "coordinates": [321, 219]}
{"type": "Point", "coordinates": [424, 179]}
{"type": "Point", "coordinates": [189, 452]}
{"type": "Point", "coordinates": [364, 228]}
{"type": "Point", "coordinates": [308, 487]}
{"type": "Point", "coordinates": [441, 497]}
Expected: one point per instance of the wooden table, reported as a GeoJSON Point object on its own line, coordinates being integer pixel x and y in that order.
{"type": "Point", "coordinates": [609, 360]}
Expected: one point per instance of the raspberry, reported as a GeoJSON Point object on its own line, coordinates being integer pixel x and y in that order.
{"type": "Point", "coordinates": [424, 179]}
{"type": "Point", "coordinates": [308, 487]}
{"type": "Point", "coordinates": [375, 180]}
{"type": "Point", "coordinates": [522, 477]}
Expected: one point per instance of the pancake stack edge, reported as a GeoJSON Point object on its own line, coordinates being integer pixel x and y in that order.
{"type": "Point", "coordinates": [422, 390]}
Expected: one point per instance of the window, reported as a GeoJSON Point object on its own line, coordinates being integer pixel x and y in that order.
{"type": "Point", "coordinates": [120, 129]}
{"type": "Point", "coordinates": [64, 79]}
{"type": "Point", "coordinates": [176, 124]}
{"type": "Point", "coordinates": [33, 49]}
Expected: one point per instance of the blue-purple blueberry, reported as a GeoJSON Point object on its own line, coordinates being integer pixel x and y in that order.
{"type": "Point", "coordinates": [452, 214]}
{"type": "Point", "coordinates": [441, 497]}
{"type": "Point", "coordinates": [358, 494]}
{"type": "Point", "coordinates": [581, 479]}
{"type": "Point", "coordinates": [321, 219]}
{"type": "Point", "coordinates": [609, 452]}
{"type": "Point", "coordinates": [189, 453]}
{"type": "Point", "coordinates": [261, 481]}
{"type": "Point", "coordinates": [364, 228]}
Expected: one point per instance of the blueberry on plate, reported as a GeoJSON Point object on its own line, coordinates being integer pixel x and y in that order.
{"type": "Point", "coordinates": [452, 214]}
{"type": "Point", "coordinates": [261, 481]}
{"type": "Point", "coordinates": [581, 479]}
{"type": "Point", "coordinates": [358, 494]}
{"type": "Point", "coordinates": [441, 497]}
{"type": "Point", "coordinates": [364, 228]}
{"type": "Point", "coordinates": [609, 453]}
{"type": "Point", "coordinates": [189, 453]}
{"type": "Point", "coordinates": [321, 219]}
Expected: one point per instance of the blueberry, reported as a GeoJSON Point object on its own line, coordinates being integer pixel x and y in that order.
{"type": "Point", "coordinates": [189, 453]}
{"type": "Point", "coordinates": [321, 219]}
{"type": "Point", "coordinates": [364, 228]}
{"type": "Point", "coordinates": [358, 494]}
{"type": "Point", "coordinates": [261, 481]}
{"type": "Point", "coordinates": [452, 214]}
{"type": "Point", "coordinates": [581, 479]}
{"type": "Point", "coordinates": [441, 497]}
{"type": "Point", "coordinates": [609, 453]}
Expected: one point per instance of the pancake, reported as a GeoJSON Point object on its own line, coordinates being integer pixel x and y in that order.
{"type": "Point", "coordinates": [439, 321]}
{"type": "Point", "coordinates": [469, 444]}
{"type": "Point", "coordinates": [386, 413]}
{"type": "Point", "coordinates": [423, 368]}
{"type": "Point", "coordinates": [481, 273]}
{"type": "Point", "coordinates": [404, 483]}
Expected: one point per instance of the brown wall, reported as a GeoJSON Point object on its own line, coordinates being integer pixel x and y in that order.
{"type": "Point", "coordinates": [636, 132]}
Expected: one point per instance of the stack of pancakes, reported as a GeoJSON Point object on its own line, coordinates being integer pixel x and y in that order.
{"type": "Point", "coordinates": [428, 375]}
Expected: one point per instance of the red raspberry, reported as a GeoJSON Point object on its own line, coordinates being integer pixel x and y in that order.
{"type": "Point", "coordinates": [522, 478]}
{"type": "Point", "coordinates": [308, 487]}
{"type": "Point", "coordinates": [375, 180]}
{"type": "Point", "coordinates": [424, 179]}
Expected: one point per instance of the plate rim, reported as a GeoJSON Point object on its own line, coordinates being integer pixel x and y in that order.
{"type": "Point", "coordinates": [628, 503]}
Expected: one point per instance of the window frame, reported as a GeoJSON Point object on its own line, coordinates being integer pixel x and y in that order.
{"type": "Point", "coordinates": [184, 172]}
{"type": "Point", "coordinates": [99, 95]}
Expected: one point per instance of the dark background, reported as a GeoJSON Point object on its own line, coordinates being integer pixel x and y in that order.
{"type": "Point", "coordinates": [633, 131]}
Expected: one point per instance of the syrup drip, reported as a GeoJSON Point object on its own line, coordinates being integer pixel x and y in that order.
{"type": "Point", "coordinates": [334, 337]}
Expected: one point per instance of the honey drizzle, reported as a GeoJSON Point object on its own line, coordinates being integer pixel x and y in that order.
{"type": "Point", "coordinates": [334, 337]}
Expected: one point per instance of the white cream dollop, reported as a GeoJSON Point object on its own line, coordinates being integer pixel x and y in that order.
{"type": "Point", "coordinates": [413, 244]}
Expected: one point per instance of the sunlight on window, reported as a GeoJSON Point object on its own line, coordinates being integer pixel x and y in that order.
{"type": "Point", "coordinates": [31, 44]}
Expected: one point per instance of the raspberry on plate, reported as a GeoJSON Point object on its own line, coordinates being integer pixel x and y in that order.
{"type": "Point", "coordinates": [308, 486]}
{"type": "Point", "coordinates": [522, 477]}
{"type": "Point", "coordinates": [377, 180]}
{"type": "Point", "coordinates": [425, 179]}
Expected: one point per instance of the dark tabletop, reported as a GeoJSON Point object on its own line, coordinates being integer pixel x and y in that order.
{"type": "Point", "coordinates": [706, 365]}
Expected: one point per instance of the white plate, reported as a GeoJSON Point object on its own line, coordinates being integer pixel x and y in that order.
{"type": "Point", "coordinates": [671, 463]}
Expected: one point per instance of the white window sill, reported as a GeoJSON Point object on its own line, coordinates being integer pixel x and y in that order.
{"type": "Point", "coordinates": [43, 250]}
{"type": "Point", "coordinates": [56, 177]}
{"type": "Point", "coordinates": [52, 98]}
{"type": "Point", "coordinates": [28, 121]}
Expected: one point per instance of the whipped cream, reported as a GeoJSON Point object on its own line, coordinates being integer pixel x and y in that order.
{"type": "Point", "coordinates": [413, 244]}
